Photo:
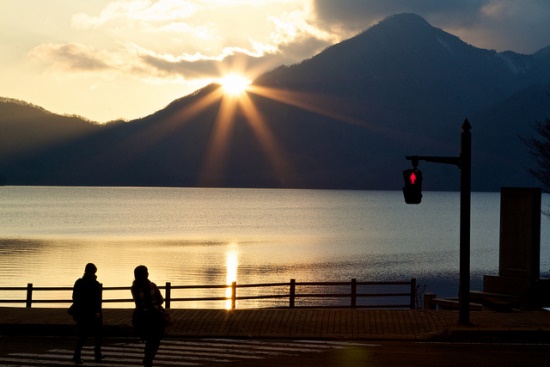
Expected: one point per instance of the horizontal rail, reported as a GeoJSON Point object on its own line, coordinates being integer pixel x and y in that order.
{"type": "Point", "coordinates": [195, 286]}
{"type": "Point", "coordinates": [290, 293]}
{"type": "Point", "coordinates": [348, 283]}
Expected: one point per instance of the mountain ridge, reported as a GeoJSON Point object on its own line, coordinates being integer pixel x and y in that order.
{"type": "Point", "coordinates": [344, 119]}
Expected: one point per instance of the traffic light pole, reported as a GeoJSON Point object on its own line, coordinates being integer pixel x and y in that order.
{"type": "Point", "coordinates": [464, 163]}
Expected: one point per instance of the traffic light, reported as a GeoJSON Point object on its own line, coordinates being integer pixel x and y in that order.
{"type": "Point", "coordinates": [413, 186]}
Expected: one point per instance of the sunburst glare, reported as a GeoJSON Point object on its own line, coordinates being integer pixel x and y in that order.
{"type": "Point", "coordinates": [234, 84]}
{"type": "Point", "coordinates": [235, 97]}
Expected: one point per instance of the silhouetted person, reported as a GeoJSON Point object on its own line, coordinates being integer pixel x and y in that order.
{"type": "Point", "coordinates": [87, 312]}
{"type": "Point", "coordinates": [148, 320]}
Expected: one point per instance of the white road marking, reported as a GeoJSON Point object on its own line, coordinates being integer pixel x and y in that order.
{"type": "Point", "coordinates": [180, 353]}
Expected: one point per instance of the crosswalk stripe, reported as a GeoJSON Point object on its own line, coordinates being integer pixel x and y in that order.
{"type": "Point", "coordinates": [335, 343]}
{"type": "Point", "coordinates": [134, 352]}
{"type": "Point", "coordinates": [256, 347]}
{"type": "Point", "coordinates": [180, 353]}
{"type": "Point", "coordinates": [296, 344]}
{"type": "Point", "coordinates": [261, 349]}
{"type": "Point", "coordinates": [65, 359]}
{"type": "Point", "coordinates": [40, 360]}
{"type": "Point", "coordinates": [203, 351]}
{"type": "Point", "coordinates": [201, 355]}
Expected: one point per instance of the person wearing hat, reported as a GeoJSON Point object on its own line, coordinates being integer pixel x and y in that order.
{"type": "Point", "coordinates": [86, 311]}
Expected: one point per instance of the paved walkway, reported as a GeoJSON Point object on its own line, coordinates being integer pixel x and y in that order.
{"type": "Point", "coordinates": [335, 323]}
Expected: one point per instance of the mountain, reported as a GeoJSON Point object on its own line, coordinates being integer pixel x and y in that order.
{"type": "Point", "coordinates": [24, 125]}
{"type": "Point", "coordinates": [26, 129]}
{"type": "Point", "coordinates": [346, 119]}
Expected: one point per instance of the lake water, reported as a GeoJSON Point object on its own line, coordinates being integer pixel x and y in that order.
{"type": "Point", "coordinates": [192, 236]}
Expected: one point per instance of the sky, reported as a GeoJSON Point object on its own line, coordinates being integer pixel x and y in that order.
{"type": "Point", "coordinates": [124, 59]}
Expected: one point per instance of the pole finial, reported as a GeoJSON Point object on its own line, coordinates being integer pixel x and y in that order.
{"type": "Point", "coordinates": [466, 125]}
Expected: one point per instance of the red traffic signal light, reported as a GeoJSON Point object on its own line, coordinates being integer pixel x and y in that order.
{"type": "Point", "coordinates": [412, 178]}
{"type": "Point", "coordinates": [412, 191]}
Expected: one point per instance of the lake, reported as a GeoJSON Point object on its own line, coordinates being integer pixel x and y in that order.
{"type": "Point", "coordinates": [191, 236]}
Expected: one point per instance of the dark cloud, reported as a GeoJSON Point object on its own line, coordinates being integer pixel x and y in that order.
{"type": "Point", "coordinates": [361, 13]}
{"type": "Point", "coordinates": [522, 26]}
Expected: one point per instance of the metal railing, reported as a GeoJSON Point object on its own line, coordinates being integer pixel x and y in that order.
{"type": "Point", "coordinates": [402, 294]}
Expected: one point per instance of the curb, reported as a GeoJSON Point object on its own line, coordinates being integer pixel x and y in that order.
{"type": "Point", "coordinates": [444, 336]}
{"type": "Point", "coordinates": [58, 330]}
{"type": "Point", "coordinates": [498, 336]}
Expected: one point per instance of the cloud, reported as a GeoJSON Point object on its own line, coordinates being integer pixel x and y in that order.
{"type": "Point", "coordinates": [360, 14]}
{"type": "Point", "coordinates": [521, 26]}
{"type": "Point", "coordinates": [72, 57]}
{"type": "Point", "coordinates": [166, 40]}
{"type": "Point", "coordinates": [183, 40]}
{"type": "Point", "coordinates": [137, 13]}
{"type": "Point", "coordinates": [142, 63]}
{"type": "Point", "coordinates": [199, 66]}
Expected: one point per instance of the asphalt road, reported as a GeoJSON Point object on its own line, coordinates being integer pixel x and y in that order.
{"type": "Point", "coordinates": [48, 351]}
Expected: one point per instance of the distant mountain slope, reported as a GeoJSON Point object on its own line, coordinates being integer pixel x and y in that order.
{"type": "Point", "coordinates": [344, 118]}
{"type": "Point", "coordinates": [26, 127]}
{"type": "Point", "coordinates": [27, 133]}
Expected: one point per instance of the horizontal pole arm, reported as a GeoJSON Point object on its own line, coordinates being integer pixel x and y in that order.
{"type": "Point", "coordinates": [446, 160]}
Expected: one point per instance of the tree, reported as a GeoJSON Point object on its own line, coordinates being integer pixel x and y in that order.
{"type": "Point", "coordinates": [539, 146]}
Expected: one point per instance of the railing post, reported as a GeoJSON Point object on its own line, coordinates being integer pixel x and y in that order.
{"type": "Point", "coordinates": [429, 301]}
{"type": "Point", "coordinates": [29, 295]}
{"type": "Point", "coordinates": [167, 294]}
{"type": "Point", "coordinates": [413, 293]}
{"type": "Point", "coordinates": [292, 293]}
{"type": "Point", "coordinates": [353, 293]}
{"type": "Point", "coordinates": [101, 298]}
{"type": "Point", "coordinates": [233, 295]}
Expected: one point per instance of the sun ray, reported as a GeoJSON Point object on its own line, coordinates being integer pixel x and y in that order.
{"type": "Point", "coordinates": [238, 95]}
{"type": "Point", "coordinates": [274, 153]}
{"type": "Point", "coordinates": [318, 104]}
{"type": "Point", "coordinates": [200, 105]}
{"type": "Point", "coordinates": [213, 165]}
{"type": "Point", "coordinates": [180, 117]}
{"type": "Point", "coordinates": [150, 135]}
{"type": "Point", "coordinates": [327, 106]}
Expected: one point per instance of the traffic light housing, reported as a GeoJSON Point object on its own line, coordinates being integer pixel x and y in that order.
{"type": "Point", "coordinates": [413, 186]}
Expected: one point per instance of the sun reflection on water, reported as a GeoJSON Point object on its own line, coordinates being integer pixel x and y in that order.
{"type": "Point", "coordinates": [232, 265]}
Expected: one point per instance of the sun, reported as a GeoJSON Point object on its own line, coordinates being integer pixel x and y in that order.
{"type": "Point", "coordinates": [234, 84]}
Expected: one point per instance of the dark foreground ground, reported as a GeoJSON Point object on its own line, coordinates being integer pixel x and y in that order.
{"type": "Point", "coordinates": [38, 351]}
{"type": "Point", "coordinates": [289, 337]}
